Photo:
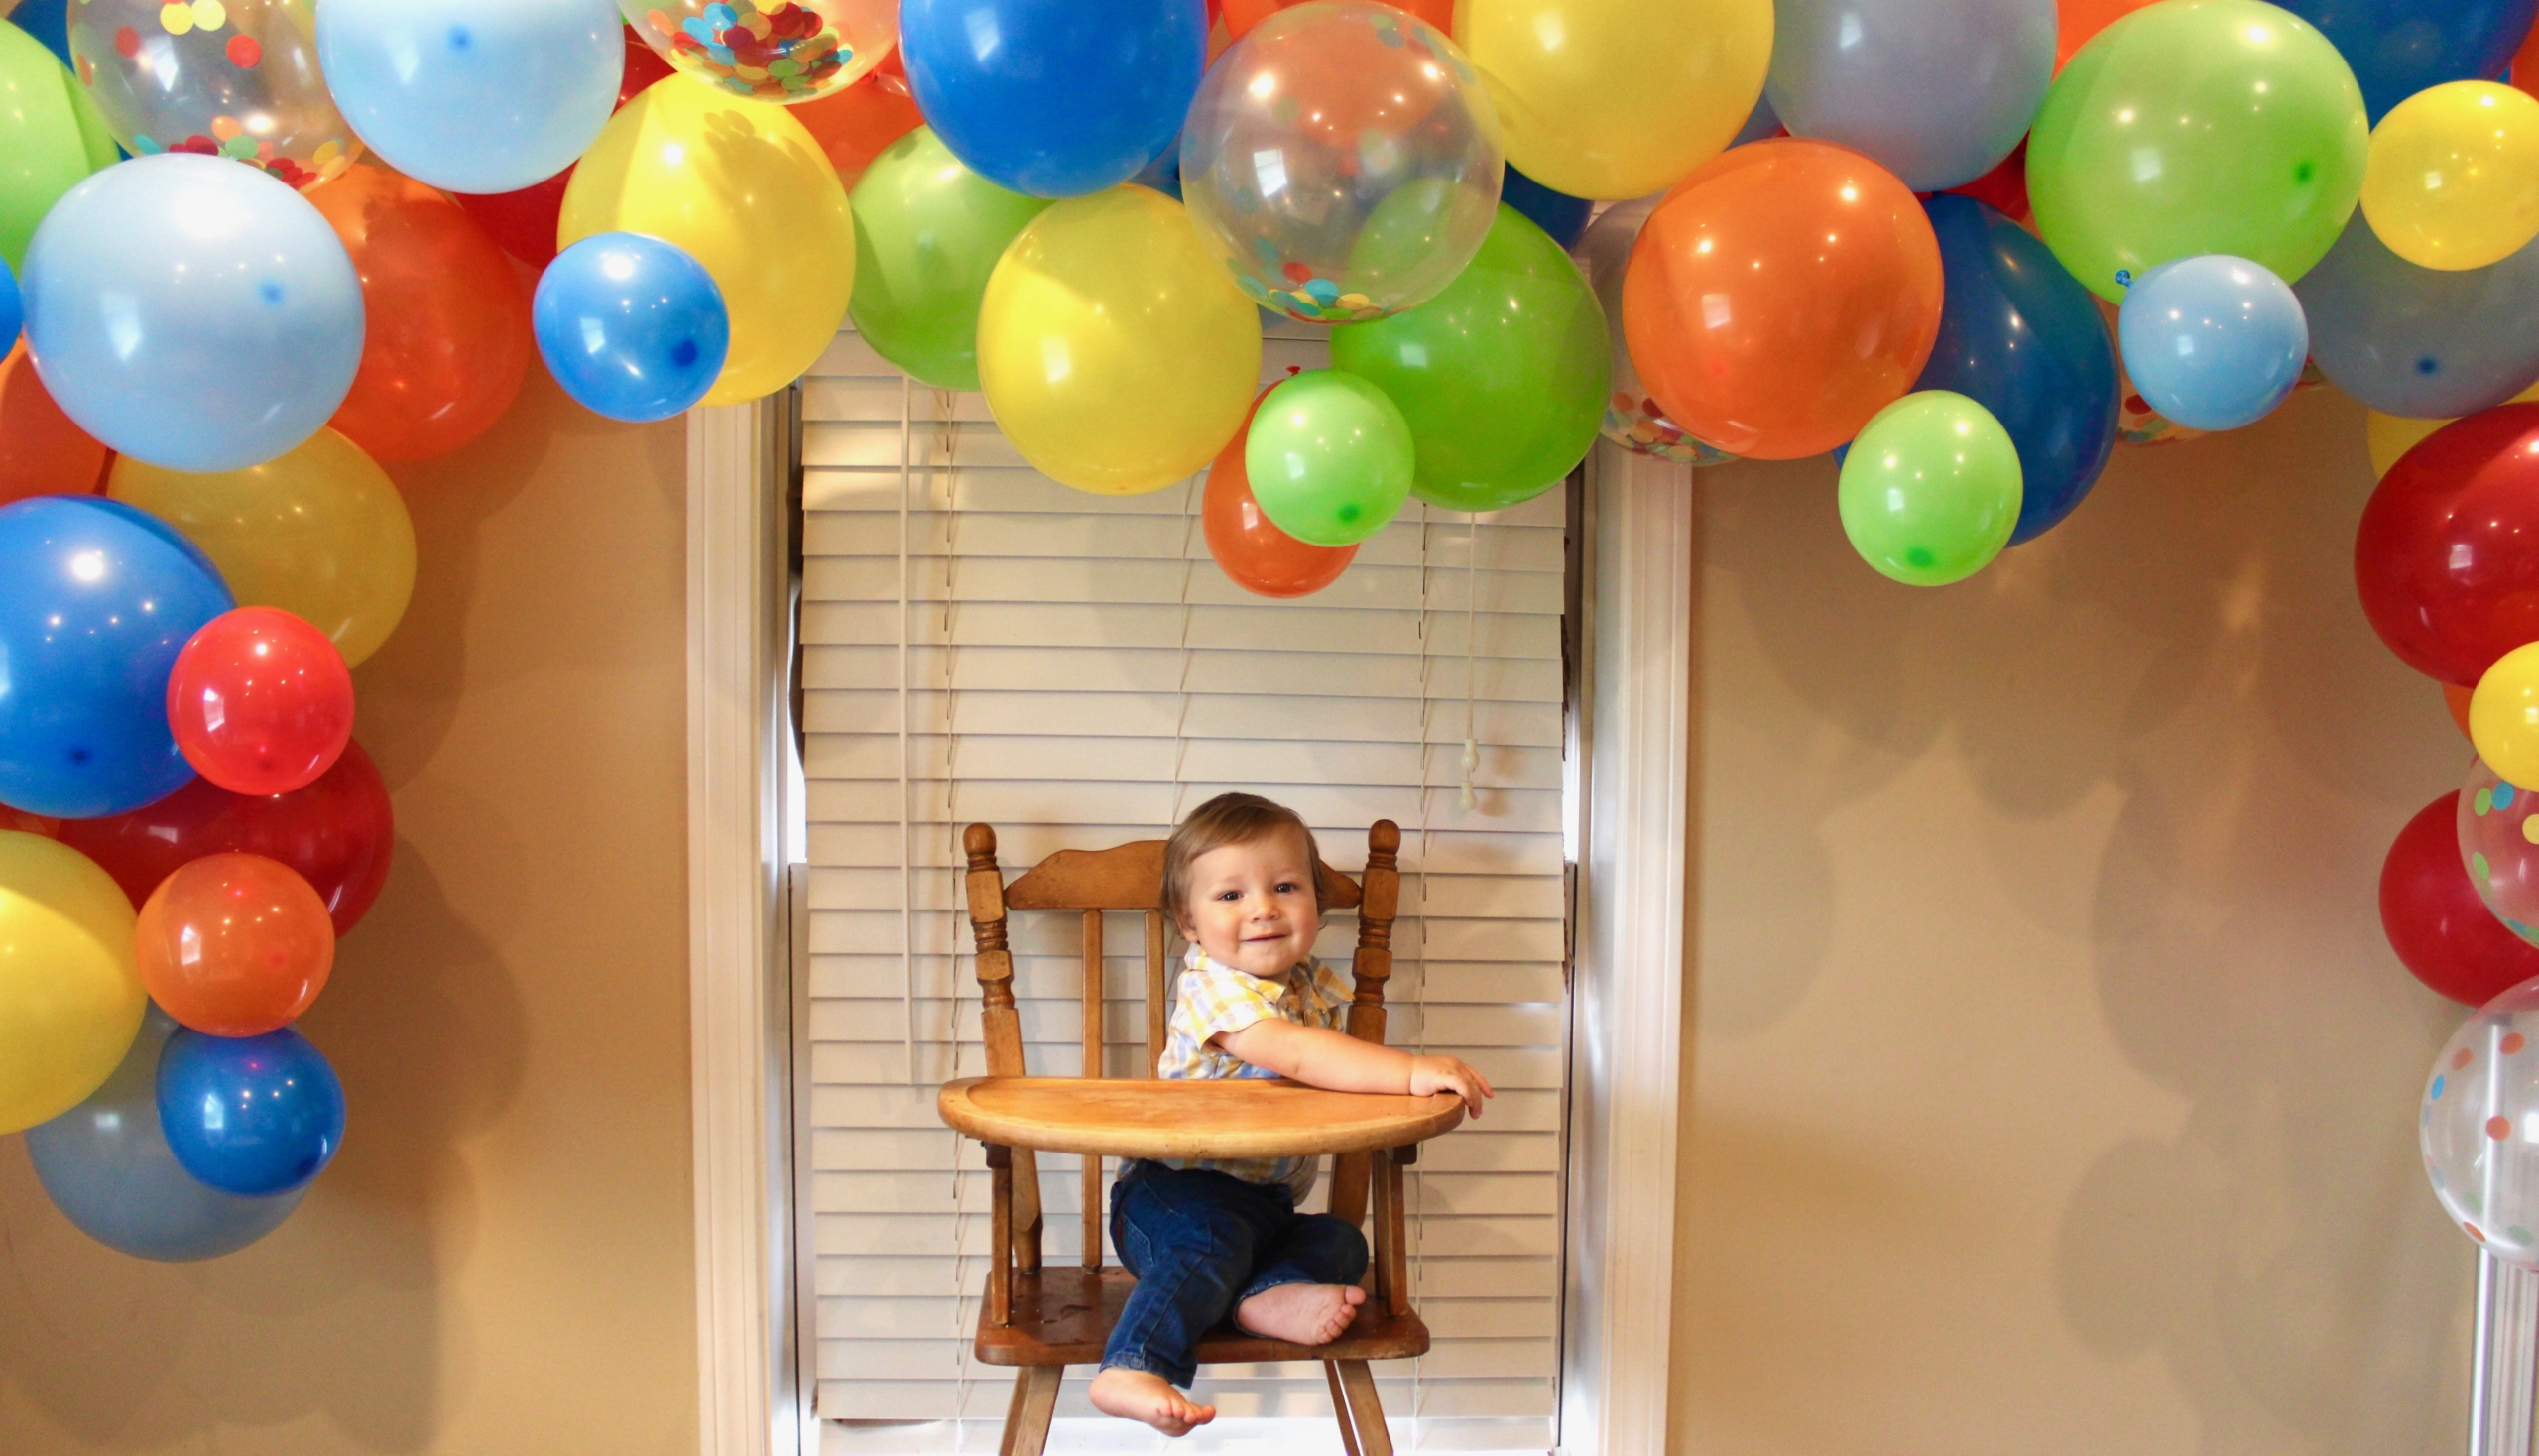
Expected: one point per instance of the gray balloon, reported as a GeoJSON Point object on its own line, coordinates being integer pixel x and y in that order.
{"type": "Point", "coordinates": [2420, 342]}
{"type": "Point", "coordinates": [107, 1165]}
{"type": "Point", "coordinates": [1936, 91]}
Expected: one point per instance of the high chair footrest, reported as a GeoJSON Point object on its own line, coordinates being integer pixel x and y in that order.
{"type": "Point", "coordinates": [1062, 1316]}
{"type": "Point", "coordinates": [1145, 1118]}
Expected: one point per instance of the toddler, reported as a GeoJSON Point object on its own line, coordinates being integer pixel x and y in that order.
{"type": "Point", "coordinates": [1211, 1238]}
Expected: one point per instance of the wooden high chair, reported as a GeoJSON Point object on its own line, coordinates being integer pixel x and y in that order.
{"type": "Point", "coordinates": [1044, 1320]}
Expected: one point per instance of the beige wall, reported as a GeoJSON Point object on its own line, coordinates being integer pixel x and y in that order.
{"type": "Point", "coordinates": [2054, 1088]}
{"type": "Point", "coordinates": [500, 1260]}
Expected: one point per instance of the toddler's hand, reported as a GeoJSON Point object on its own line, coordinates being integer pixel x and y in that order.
{"type": "Point", "coordinates": [1449, 1074]}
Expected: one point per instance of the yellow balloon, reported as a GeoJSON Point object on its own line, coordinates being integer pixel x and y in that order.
{"type": "Point", "coordinates": [1616, 98]}
{"type": "Point", "coordinates": [2451, 179]}
{"type": "Point", "coordinates": [744, 187]}
{"type": "Point", "coordinates": [2392, 436]}
{"type": "Point", "coordinates": [1116, 353]}
{"type": "Point", "coordinates": [69, 994]}
{"type": "Point", "coordinates": [319, 532]}
{"type": "Point", "coordinates": [2504, 715]}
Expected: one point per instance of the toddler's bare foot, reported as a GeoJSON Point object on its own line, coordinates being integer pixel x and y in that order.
{"type": "Point", "coordinates": [1142, 1396]}
{"type": "Point", "coordinates": [1301, 1314]}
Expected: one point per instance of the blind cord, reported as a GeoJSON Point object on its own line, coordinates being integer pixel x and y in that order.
{"type": "Point", "coordinates": [1471, 599]}
{"type": "Point", "coordinates": [908, 867]}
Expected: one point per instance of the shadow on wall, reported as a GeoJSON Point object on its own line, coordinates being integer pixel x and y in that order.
{"type": "Point", "coordinates": [2165, 747]}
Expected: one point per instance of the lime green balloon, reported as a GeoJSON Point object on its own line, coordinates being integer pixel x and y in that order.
{"type": "Point", "coordinates": [51, 137]}
{"type": "Point", "coordinates": [1502, 376]}
{"type": "Point", "coordinates": [1930, 489]}
{"type": "Point", "coordinates": [2197, 126]}
{"type": "Point", "coordinates": [1329, 459]}
{"type": "Point", "coordinates": [927, 233]}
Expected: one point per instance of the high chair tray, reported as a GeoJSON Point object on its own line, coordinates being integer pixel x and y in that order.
{"type": "Point", "coordinates": [1144, 1118]}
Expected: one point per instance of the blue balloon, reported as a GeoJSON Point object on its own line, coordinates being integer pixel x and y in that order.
{"type": "Point", "coordinates": [2421, 341]}
{"type": "Point", "coordinates": [49, 21]}
{"type": "Point", "coordinates": [1936, 91]}
{"type": "Point", "coordinates": [2398, 47]}
{"type": "Point", "coordinates": [96, 599]}
{"type": "Point", "coordinates": [2213, 342]}
{"type": "Point", "coordinates": [1558, 214]}
{"type": "Point", "coordinates": [1055, 99]}
{"type": "Point", "coordinates": [13, 311]}
{"type": "Point", "coordinates": [1164, 173]}
{"type": "Point", "coordinates": [475, 95]}
{"type": "Point", "coordinates": [630, 326]}
{"type": "Point", "coordinates": [2021, 337]}
{"type": "Point", "coordinates": [192, 312]}
{"type": "Point", "coordinates": [1761, 124]}
{"type": "Point", "coordinates": [254, 1116]}
{"type": "Point", "coordinates": [105, 1164]}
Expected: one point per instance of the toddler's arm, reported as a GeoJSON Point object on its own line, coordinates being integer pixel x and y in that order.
{"type": "Point", "coordinates": [1321, 1058]}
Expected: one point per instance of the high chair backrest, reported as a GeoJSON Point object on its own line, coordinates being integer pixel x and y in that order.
{"type": "Point", "coordinates": [1130, 878]}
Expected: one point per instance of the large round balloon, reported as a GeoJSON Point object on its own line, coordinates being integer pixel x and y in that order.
{"type": "Point", "coordinates": [96, 599]}
{"type": "Point", "coordinates": [522, 223]}
{"type": "Point", "coordinates": [51, 137]}
{"type": "Point", "coordinates": [41, 453]}
{"type": "Point", "coordinates": [105, 1164]}
{"type": "Point", "coordinates": [69, 996]}
{"type": "Point", "coordinates": [2442, 559]}
{"type": "Point", "coordinates": [2078, 22]}
{"type": "Point", "coordinates": [13, 309]}
{"type": "Point", "coordinates": [1930, 489]}
{"type": "Point", "coordinates": [2213, 342]}
{"type": "Point", "coordinates": [320, 532]}
{"type": "Point", "coordinates": [1343, 161]}
{"type": "Point", "coordinates": [2020, 337]}
{"type": "Point", "coordinates": [261, 703]}
{"type": "Point", "coordinates": [631, 326]}
{"type": "Point", "coordinates": [856, 125]}
{"type": "Point", "coordinates": [1116, 355]}
{"type": "Point", "coordinates": [2477, 1127]}
{"type": "Point", "coordinates": [1562, 217]}
{"type": "Point", "coordinates": [1254, 553]}
{"type": "Point", "coordinates": [473, 96]}
{"type": "Point", "coordinates": [338, 833]}
{"type": "Point", "coordinates": [1782, 295]}
{"type": "Point", "coordinates": [1241, 15]}
{"type": "Point", "coordinates": [2398, 47]}
{"type": "Point", "coordinates": [192, 312]}
{"type": "Point", "coordinates": [254, 1116]}
{"type": "Point", "coordinates": [1604, 100]}
{"type": "Point", "coordinates": [2419, 341]}
{"type": "Point", "coordinates": [740, 187]}
{"type": "Point", "coordinates": [2433, 917]}
{"type": "Point", "coordinates": [234, 945]}
{"type": "Point", "coordinates": [2453, 178]}
{"type": "Point", "coordinates": [1329, 459]}
{"type": "Point", "coordinates": [929, 232]}
{"type": "Point", "coordinates": [1633, 420]}
{"type": "Point", "coordinates": [1057, 100]}
{"type": "Point", "coordinates": [234, 79]}
{"type": "Point", "coordinates": [1503, 377]}
{"type": "Point", "coordinates": [784, 52]}
{"type": "Point", "coordinates": [1936, 91]}
{"type": "Point", "coordinates": [2494, 839]}
{"type": "Point", "coordinates": [2195, 127]}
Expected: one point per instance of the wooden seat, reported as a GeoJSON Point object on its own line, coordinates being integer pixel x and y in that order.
{"type": "Point", "coordinates": [1043, 1320]}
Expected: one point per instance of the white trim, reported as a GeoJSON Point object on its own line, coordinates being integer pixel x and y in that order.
{"type": "Point", "coordinates": [740, 1014]}
{"type": "Point", "coordinates": [1627, 1053]}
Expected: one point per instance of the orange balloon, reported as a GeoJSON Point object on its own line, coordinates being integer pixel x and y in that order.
{"type": "Point", "coordinates": [448, 340]}
{"type": "Point", "coordinates": [1255, 554]}
{"type": "Point", "coordinates": [234, 944]}
{"type": "Point", "coordinates": [1782, 294]}
{"type": "Point", "coordinates": [41, 453]}
{"type": "Point", "coordinates": [858, 124]}
{"type": "Point", "coordinates": [2078, 20]}
{"type": "Point", "coordinates": [2455, 698]}
{"type": "Point", "coordinates": [1241, 15]}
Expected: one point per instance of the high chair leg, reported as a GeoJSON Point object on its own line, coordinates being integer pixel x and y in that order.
{"type": "Point", "coordinates": [1362, 1415]}
{"type": "Point", "coordinates": [1340, 1408]}
{"type": "Point", "coordinates": [1026, 1420]}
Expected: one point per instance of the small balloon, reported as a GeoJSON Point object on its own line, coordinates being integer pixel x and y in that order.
{"type": "Point", "coordinates": [2480, 1105]}
{"type": "Point", "coordinates": [41, 453]}
{"type": "Point", "coordinates": [50, 137]}
{"type": "Point", "coordinates": [2453, 177]}
{"type": "Point", "coordinates": [2420, 342]}
{"type": "Point", "coordinates": [261, 703]}
{"type": "Point", "coordinates": [2435, 920]}
{"type": "Point", "coordinates": [1328, 457]}
{"type": "Point", "coordinates": [2492, 833]}
{"type": "Point", "coordinates": [1930, 489]}
{"type": "Point", "coordinates": [473, 96]}
{"type": "Point", "coordinates": [69, 996]}
{"type": "Point", "coordinates": [2398, 47]}
{"type": "Point", "coordinates": [235, 78]}
{"type": "Point", "coordinates": [630, 326]}
{"type": "Point", "coordinates": [786, 51]}
{"type": "Point", "coordinates": [1632, 418]}
{"type": "Point", "coordinates": [929, 232]}
{"type": "Point", "coordinates": [1936, 91]}
{"type": "Point", "coordinates": [1254, 553]}
{"type": "Point", "coordinates": [2439, 558]}
{"type": "Point", "coordinates": [234, 945]}
{"type": "Point", "coordinates": [2213, 342]}
{"type": "Point", "coordinates": [522, 222]}
{"type": "Point", "coordinates": [254, 1116]}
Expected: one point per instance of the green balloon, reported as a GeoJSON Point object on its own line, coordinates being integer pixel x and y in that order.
{"type": "Point", "coordinates": [1930, 489]}
{"type": "Point", "coordinates": [1503, 377]}
{"type": "Point", "coordinates": [51, 137]}
{"type": "Point", "coordinates": [2192, 127]}
{"type": "Point", "coordinates": [927, 233]}
{"type": "Point", "coordinates": [1329, 459]}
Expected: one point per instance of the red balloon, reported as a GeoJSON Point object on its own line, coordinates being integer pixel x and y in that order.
{"type": "Point", "coordinates": [2435, 920]}
{"type": "Point", "coordinates": [524, 223]}
{"type": "Point", "coordinates": [260, 701]}
{"type": "Point", "coordinates": [2445, 557]}
{"type": "Point", "coordinates": [337, 833]}
{"type": "Point", "coordinates": [1255, 554]}
{"type": "Point", "coordinates": [234, 945]}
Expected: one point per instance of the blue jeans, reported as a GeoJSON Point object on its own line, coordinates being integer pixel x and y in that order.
{"type": "Point", "coordinates": [1200, 1244]}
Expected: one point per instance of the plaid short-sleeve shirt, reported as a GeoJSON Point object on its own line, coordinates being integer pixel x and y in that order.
{"type": "Point", "coordinates": [1213, 1000]}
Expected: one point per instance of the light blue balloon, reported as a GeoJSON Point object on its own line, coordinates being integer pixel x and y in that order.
{"type": "Point", "coordinates": [1761, 124]}
{"type": "Point", "coordinates": [2419, 341]}
{"type": "Point", "coordinates": [1937, 91]}
{"type": "Point", "coordinates": [105, 1164]}
{"type": "Point", "coordinates": [2213, 342]}
{"type": "Point", "coordinates": [631, 326]}
{"type": "Point", "coordinates": [475, 95]}
{"type": "Point", "coordinates": [192, 312]}
{"type": "Point", "coordinates": [13, 314]}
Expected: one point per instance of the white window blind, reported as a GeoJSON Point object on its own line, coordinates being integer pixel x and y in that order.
{"type": "Point", "coordinates": [982, 644]}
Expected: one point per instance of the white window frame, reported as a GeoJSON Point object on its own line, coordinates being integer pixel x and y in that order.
{"type": "Point", "coordinates": [1637, 566]}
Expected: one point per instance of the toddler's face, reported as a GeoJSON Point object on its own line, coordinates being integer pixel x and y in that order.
{"type": "Point", "coordinates": [1252, 906]}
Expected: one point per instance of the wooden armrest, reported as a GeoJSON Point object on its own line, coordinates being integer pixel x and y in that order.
{"type": "Point", "coordinates": [1244, 1118]}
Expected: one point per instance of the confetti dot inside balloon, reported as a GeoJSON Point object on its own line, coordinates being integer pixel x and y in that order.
{"type": "Point", "coordinates": [244, 52]}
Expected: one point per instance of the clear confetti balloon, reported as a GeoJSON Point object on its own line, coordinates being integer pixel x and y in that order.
{"type": "Point", "coordinates": [2479, 1125]}
{"type": "Point", "coordinates": [234, 79]}
{"type": "Point", "coordinates": [2499, 847]}
{"type": "Point", "coordinates": [1343, 160]}
{"type": "Point", "coordinates": [785, 51]}
{"type": "Point", "coordinates": [1633, 420]}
